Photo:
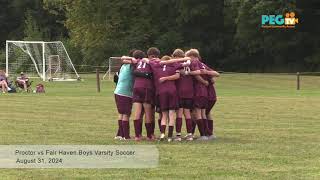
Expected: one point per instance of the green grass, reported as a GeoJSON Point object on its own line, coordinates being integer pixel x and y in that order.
{"type": "Point", "coordinates": [266, 130]}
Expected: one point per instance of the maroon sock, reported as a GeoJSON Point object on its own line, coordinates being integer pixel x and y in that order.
{"type": "Point", "coordinates": [159, 124]}
{"type": "Point", "coordinates": [194, 125]}
{"type": "Point", "coordinates": [210, 126]}
{"type": "Point", "coordinates": [163, 129]}
{"type": "Point", "coordinates": [189, 125]}
{"type": "Point", "coordinates": [205, 126]}
{"type": "Point", "coordinates": [119, 128]}
{"type": "Point", "coordinates": [153, 127]}
{"type": "Point", "coordinates": [126, 129]}
{"type": "Point", "coordinates": [137, 127]}
{"type": "Point", "coordinates": [178, 125]}
{"type": "Point", "coordinates": [170, 134]}
{"type": "Point", "coordinates": [200, 127]}
{"type": "Point", "coordinates": [149, 129]}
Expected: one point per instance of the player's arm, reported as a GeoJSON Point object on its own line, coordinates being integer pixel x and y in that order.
{"type": "Point", "coordinates": [171, 61]}
{"type": "Point", "coordinates": [128, 60]}
{"type": "Point", "coordinates": [194, 73]}
{"type": "Point", "coordinates": [210, 73]}
{"type": "Point", "coordinates": [201, 80]}
{"type": "Point", "coordinates": [145, 60]}
{"type": "Point", "coordinates": [170, 78]}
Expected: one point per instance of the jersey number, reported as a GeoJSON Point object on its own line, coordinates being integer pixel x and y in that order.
{"type": "Point", "coordinates": [187, 69]}
{"type": "Point", "coordinates": [164, 68]}
{"type": "Point", "coordinates": [142, 65]}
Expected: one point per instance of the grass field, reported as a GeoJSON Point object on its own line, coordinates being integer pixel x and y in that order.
{"type": "Point", "coordinates": [266, 130]}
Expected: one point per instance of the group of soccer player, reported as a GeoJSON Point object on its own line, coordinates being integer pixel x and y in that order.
{"type": "Point", "coordinates": [173, 86]}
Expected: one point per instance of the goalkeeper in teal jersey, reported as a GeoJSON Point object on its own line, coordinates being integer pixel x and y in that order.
{"type": "Point", "coordinates": [123, 98]}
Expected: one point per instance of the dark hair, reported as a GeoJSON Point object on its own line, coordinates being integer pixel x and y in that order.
{"type": "Point", "coordinates": [138, 54]}
{"type": "Point", "coordinates": [131, 52]}
{"type": "Point", "coordinates": [153, 52]}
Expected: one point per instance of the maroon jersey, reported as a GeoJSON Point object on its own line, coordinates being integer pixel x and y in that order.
{"type": "Point", "coordinates": [160, 71]}
{"type": "Point", "coordinates": [140, 82]}
{"type": "Point", "coordinates": [200, 89]}
{"type": "Point", "coordinates": [211, 89]}
{"type": "Point", "coordinates": [185, 84]}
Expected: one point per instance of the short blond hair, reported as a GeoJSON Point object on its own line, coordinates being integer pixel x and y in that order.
{"type": "Point", "coordinates": [178, 53]}
{"type": "Point", "coordinates": [193, 52]}
{"type": "Point", "coordinates": [165, 58]}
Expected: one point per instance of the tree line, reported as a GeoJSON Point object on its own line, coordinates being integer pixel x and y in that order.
{"type": "Point", "coordinates": [227, 32]}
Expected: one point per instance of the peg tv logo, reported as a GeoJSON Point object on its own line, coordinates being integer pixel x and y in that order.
{"type": "Point", "coordinates": [287, 21]}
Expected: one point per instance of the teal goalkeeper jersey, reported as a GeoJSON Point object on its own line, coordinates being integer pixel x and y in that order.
{"type": "Point", "coordinates": [125, 81]}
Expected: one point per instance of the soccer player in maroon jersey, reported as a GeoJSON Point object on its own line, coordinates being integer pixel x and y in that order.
{"type": "Point", "coordinates": [185, 92]}
{"type": "Point", "coordinates": [212, 99]}
{"type": "Point", "coordinates": [164, 79]}
{"type": "Point", "coordinates": [201, 95]}
{"type": "Point", "coordinates": [204, 97]}
{"type": "Point", "coordinates": [143, 94]}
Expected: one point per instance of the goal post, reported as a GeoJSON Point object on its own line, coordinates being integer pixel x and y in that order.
{"type": "Point", "coordinates": [114, 65]}
{"type": "Point", "coordinates": [33, 58]}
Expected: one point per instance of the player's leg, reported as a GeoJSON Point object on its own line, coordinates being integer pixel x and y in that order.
{"type": "Point", "coordinates": [124, 105]}
{"type": "Point", "coordinates": [148, 122]}
{"type": "Point", "coordinates": [119, 133]}
{"type": "Point", "coordinates": [199, 104]}
{"type": "Point", "coordinates": [172, 117]}
{"type": "Point", "coordinates": [159, 120]}
{"type": "Point", "coordinates": [179, 124]}
{"type": "Point", "coordinates": [172, 106]}
{"type": "Point", "coordinates": [211, 133]}
{"type": "Point", "coordinates": [137, 120]}
{"type": "Point", "coordinates": [205, 122]}
{"type": "Point", "coordinates": [164, 118]}
{"type": "Point", "coordinates": [194, 121]}
{"type": "Point", "coordinates": [141, 122]}
{"type": "Point", "coordinates": [187, 115]}
{"type": "Point", "coordinates": [119, 108]}
{"type": "Point", "coordinates": [126, 126]}
{"type": "Point", "coordinates": [153, 121]}
{"type": "Point", "coordinates": [200, 124]}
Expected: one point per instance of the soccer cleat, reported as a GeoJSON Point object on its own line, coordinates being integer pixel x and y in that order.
{"type": "Point", "coordinates": [202, 138]}
{"type": "Point", "coordinates": [212, 137]}
{"type": "Point", "coordinates": [178, 138]}
{"type": "Point", "coordinates": [124, 139]}
{"type": "Point", "coordinates": [170, 139]}
{"type": "Point", "coordinates": [189, 138]}
{"type": "Point", "coordinates": [162, 137]}
{"type": "Point", "coordinates": [152, 138]}
{"type": "Point", "coordinates": [138, 138]}
{"type": "Point", "coordinates": [117, 138]}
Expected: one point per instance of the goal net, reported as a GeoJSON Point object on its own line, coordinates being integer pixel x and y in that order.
{"type": "Point", "coordinates": [48, 60]}
{"type": "Point", "coordinates": [114, 65]}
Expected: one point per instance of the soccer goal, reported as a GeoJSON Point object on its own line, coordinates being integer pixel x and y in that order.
{"type": "Point", "coordinates": [114, 65]}
{"type": "Point", "coordinates": [48, 60]}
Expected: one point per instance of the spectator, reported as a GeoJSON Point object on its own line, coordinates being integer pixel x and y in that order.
{"type": "Point", "coordinates": [3, 82]}
{"type": "Point", "coordinates": [23, 81]}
